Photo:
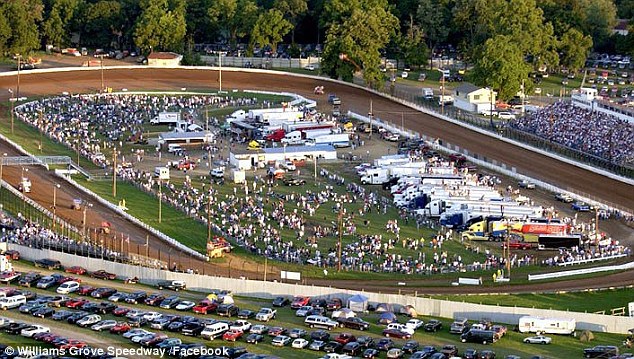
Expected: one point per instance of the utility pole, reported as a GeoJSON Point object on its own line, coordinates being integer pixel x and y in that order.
{"type": "Point", "coordinates": [160, 201]}
{"type": "Point", "coordinates": [442, 96]}
{"type": "Point", "coordinates": [220, 70]}
{"type": "Point", "coordinates": [370, 115]}
{"type": "Point", "coordinates": [114, 172]}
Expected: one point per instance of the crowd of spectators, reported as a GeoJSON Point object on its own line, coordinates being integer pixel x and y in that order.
{"type": "Point", "coordinates": [93, 123]}
{"type": "Point", "coordinates": [595, 133]}
{"type": "Point", "coordinates": [605, 249]}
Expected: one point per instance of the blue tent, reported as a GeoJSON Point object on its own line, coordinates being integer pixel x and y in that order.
{"type": "Point", "coordinates": [387, 318]}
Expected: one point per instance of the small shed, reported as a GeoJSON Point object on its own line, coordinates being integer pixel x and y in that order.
{"type": "Point", "coordinates": [471, 98]}
{"type": "Point", "coordinates": [164, 59]}
{"type": "Point", "coordinates": [358, 303]}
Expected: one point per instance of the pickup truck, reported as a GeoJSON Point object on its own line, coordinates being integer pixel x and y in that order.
{"type": "Point", "coordinates": [174, 285]}
{"type": "Point", "coordinates": [266, 314]}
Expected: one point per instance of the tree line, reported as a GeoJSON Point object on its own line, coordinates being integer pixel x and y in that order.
{"type": "Point", "coordinates": [504, 40]}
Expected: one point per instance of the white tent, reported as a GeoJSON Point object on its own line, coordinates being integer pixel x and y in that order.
{"type": "Point", "coordinates": [343, 313]}
{"type": "Point", "coordinates": [358, 303]}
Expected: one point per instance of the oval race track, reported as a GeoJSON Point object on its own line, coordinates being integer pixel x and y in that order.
{"type": "Point", "coordinates": [535, 165]}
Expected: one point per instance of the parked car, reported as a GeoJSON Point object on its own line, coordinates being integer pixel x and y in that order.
{"type": "Point", "coordinates": [601, 351]}
{"type": "Point", "coordinates": [154, 299]}
{"type": "Point", "coordinates": [385, 344]}
{"type": "Point", "coordinates": [170, 302]}
{"type": "Point", "coordinates": [77, 270]}
{"type": "Point", "coordinates": [300, 343]}
{"type": "Point", "coordinates": [433, 325]}
{"type": "Point", "coordinates": [49, 264]}
{"type": "Point", "coordinates": [526, 184]}
{"type": "Point", "coordinates": [281, 341]}
{"type": "Point", "coordinates": [174, 285]}
{"type": "Point", "coordinates": [562, 197]}
{"type": "Point", "coordinates": [136, 297]}
{"type": "Point", "coordinates": [68, 287]}
{"type": "Point", "coordinates": [103, 292]}
{"type": "Point", "coordinates": [102, 274]}
{"type": "Point", "coordinates": [395, 333]}
{"type": "Point", "coordinates": [254, 338]}
{"type": "Point", "coordinates": [299, 301]}
{"type": "Point", "coordinates": [281, 302]}
{"type": "Point", "coordinates": [410, 346]}
{"type": "Point", "coordinates": [185, 305]}
{"type": "Point", "coordinates": [354, 323]}
{"type": "Point", "coordinates": [334, 304]}
{"type": "Point", "coordinates": [297, 333]}
{"type": "Point", "coordinates": [227, 310]}
{"type": "Point", "coordinates": [246, 314]}
{"type": "Point", "coordinates": [538, 339]}
{"type": "Point", "coordinates": [205, 307]}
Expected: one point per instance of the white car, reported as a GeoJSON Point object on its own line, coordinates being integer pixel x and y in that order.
{"type": "Point", "coordinates": [241, 325]}
{"type": "Point", "coordinates": [89, 320]}
{"type": "Point", "coordinates": [404, 74]}
{"type": "Point", "coordinates": [310, 67]}
{"type": "Point", "coordinates": [150, 316]}
{"type": "Point", "coordinates": [281, 341]}
{"type": "Point", "coordinates": [289, 166]}
{"type": "Point", "coordinates": [299, 343]}
{"type": "Point", "coordinates": [414, 323]}
{"type": "Point", "coordinates": [506, 115]}
{"type": "Point", "coordinates": [103, 325]}
{"type": "Point", "coordinates": [30, 331]}
{"type": "Point", "coordinates": [185, 305]}
{"type": "Point", "coordinates": [538, 339]}
{"type": "Point", "coordinates": [135, 313]}
{"type": "Point", "coordinates": [139, 338]}
{"type": "Point", "coordinates": [68, 287]}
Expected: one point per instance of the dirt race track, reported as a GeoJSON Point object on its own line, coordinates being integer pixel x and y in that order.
{"type": "Point", "coordinates": [538, 166]}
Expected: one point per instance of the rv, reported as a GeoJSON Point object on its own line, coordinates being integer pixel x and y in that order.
{"type": "Point", "coordinates": [166, 118]}
{"type": "Point", "coordinates": [528, 324]}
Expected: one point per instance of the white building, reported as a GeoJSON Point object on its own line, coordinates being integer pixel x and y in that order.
{"type": "Point", "coordinates": [247, 159]}
{"type": "Point", "coordinates": [164, 59]}
{"type": "Point", "coordinates": [471, 98]}
{"type": "Point", "coordinates": [588, 98]}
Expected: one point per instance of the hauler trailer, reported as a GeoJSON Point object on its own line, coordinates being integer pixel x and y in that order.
{"type": "Point", "coordinates": [553, 241]}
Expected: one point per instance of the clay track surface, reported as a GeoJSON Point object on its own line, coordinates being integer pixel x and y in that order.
{"type": "Point", "coordinates": [358, 100]}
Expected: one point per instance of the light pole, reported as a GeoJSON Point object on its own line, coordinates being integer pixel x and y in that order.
{"type": "Point", "coordinates": [160, 201]}
{"type": "Point", "coordinates": [220, 70]}
{"type": "Point", "coordinates": [114, 172]}
{"type": "Point", "coordinates": [12, 100]}
{"type": "Point", "coordinates": [55, 187]}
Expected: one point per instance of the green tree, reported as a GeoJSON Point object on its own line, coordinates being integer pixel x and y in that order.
{"type": "Point", "coordinates": [598, 19]}
{"type": "Point", "coordinates": [23, 17]}
{"type": "Point", "coordinates": [574, 48]}
{"type": "Point", "coordinates": [102, 23]}
{"type": "Point", "coordinates": [198, 23]}
{"type": "Point", "coordinates": [269, 29]}
{"type": "Point", "coordinates": [501, 66]}
{"type": "Point", "coordinates": [292, 10]}
{"type": "Point", "coordinates": [5, 30]}
{"type": "Point", "coordinates": [358, 29]}
{"type": "Point", "coordinates": [235, 18]}
{"type": "Point", "coordinates": [54, 29]}
{"type": "Point", "coordinates": [475, 23]}
{"type": "Point", "coordinates": [413, 47]}
{"type": "Point", "coordinates": [160, 27]}
{"type": "Point", "coordinates": [434, 21]}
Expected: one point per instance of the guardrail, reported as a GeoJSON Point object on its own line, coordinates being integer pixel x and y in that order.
{"type": "Point", "coordinates": [569, 273]}
{"type": "Point", "coordinates": [592, 260]}
{"type": "Point", "coordinates": [136, 221]}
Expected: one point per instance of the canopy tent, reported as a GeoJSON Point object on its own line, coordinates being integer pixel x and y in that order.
{"type": "Point", "coordinates": [384, 307]}
{"type": "Point", "coordinates": [343, 313]}
{"type": "Point", "coordinates": [387, 318]}
{"type": "Point", "coordinates": [358, 303]}
{"type": "Point", "coordinates": [408, 310]}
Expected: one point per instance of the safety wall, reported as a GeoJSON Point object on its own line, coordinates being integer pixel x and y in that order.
{"type": "Point", "coordinates": [268, 290]}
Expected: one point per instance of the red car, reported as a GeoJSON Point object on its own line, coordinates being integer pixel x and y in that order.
{"type": "Point", "coordinates": [76, 302]}
{"type": "Point", "coordinates": [345, 338]}
{"type": "Point", "coordinates": [299, 302]}
{"type": "Point", "coordinates": [275, 331]}
{"type": "Point", "coordinates": [121, 327]}
{"type": "Point", "coordinates": [205, 307]}
{"type": "Point", "coordinates": [395, 333]}
{"type": "Point", "coordinates": [232, 335]}
{"type": "Point", "coordinates": [76, 270]}
{"type": "Point", "coordinates": [68, 279]}
{"type": "Point", "coordinates": [50, 338]}
{"type": "Point", "coordinates": [85, 289]}
{"type": "Point", "coordinates": [102, 274]}
{"type": "Point", "coordinates": [71, 343]}
{"type": "Point", "coordinates": [517, 245]}
{"type": "Point", "coordinates": [120, 311]}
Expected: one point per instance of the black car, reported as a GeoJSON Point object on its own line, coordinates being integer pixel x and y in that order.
{"type": "Point", "coordinates": [433, 325]}
{"type": "Point", "coordinates": [72, 319]}
{"type": "Point", "coordinates": [352, 349]}
{"type": "Point", "coordinates": [193, 329]}
{"type": "Point", "coordinates": [136, 297]}
{"type": "Point", "coordinates": [49, 264]}
{"type": "Point", "coordinates": [254, 338]}
{"type": "Point", "coordinates": [246, 314]}
{"type": "Point", "coordinates": [320, 335]}
{"type": "Point", "coordinates": [354, 323]}
{"type": "Point", "coordinates": [332, 347]}
{"type": "Point", "coordinates": [366, 341]}
{"type": "Point", "coordinates": [44, 312]}
{"type": "Point", "coordinates": [90, 307]}
{"type": "Point", "coordinates": [15, 328]}
{"type": "Point", "coordinates": [281, 302]}
{"type": "Point", "coordinates": [62, 315]}
{"type": "Point", "coordinates": [137, 321]}
{"type": "Point", "coordinates": [162, 322]}
{"type": "Point", "coordinates": [105, 307]}
{"type": "Point", "coordinates": [321, 311]}
{"type": "Point", "coordinates": [449, 350]}
{"type": "Point", "coordinates": [601, 351]}
{"type": "Point", "coordinates": [370, 353]}
{"type": "Point", "coordinates": [29, 279]}
{"type": "Point", "coordinates": [487, 354]}
{"type": "Point", "coordinates": [410, 346]}
{"type": "Point", "coordinates": [385, 344]}
{"type": "Point", "coordinates": [176, 326]}
{"type": "Point", "coordinates": [426, 352]}
{"type": "Point", "coordinates": [227, 310]}
{"type": "Point", "coordinates": [102, 274]}
{"type": "Point", "coordinates": [318, 303]}
{"type": "Point", "coordinates": [170, 302]}
{"type": "Point", "coordinates": [174, 285]}
{"type": "Point", "coordinates": [470, 354]}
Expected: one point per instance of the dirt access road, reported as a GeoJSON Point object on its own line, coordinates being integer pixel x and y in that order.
{"type": "Point", "coordinates": [358, 100]}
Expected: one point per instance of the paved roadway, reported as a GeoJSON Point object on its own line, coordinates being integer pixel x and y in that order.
{"type": "Point", "coordinates": [538, 166]}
